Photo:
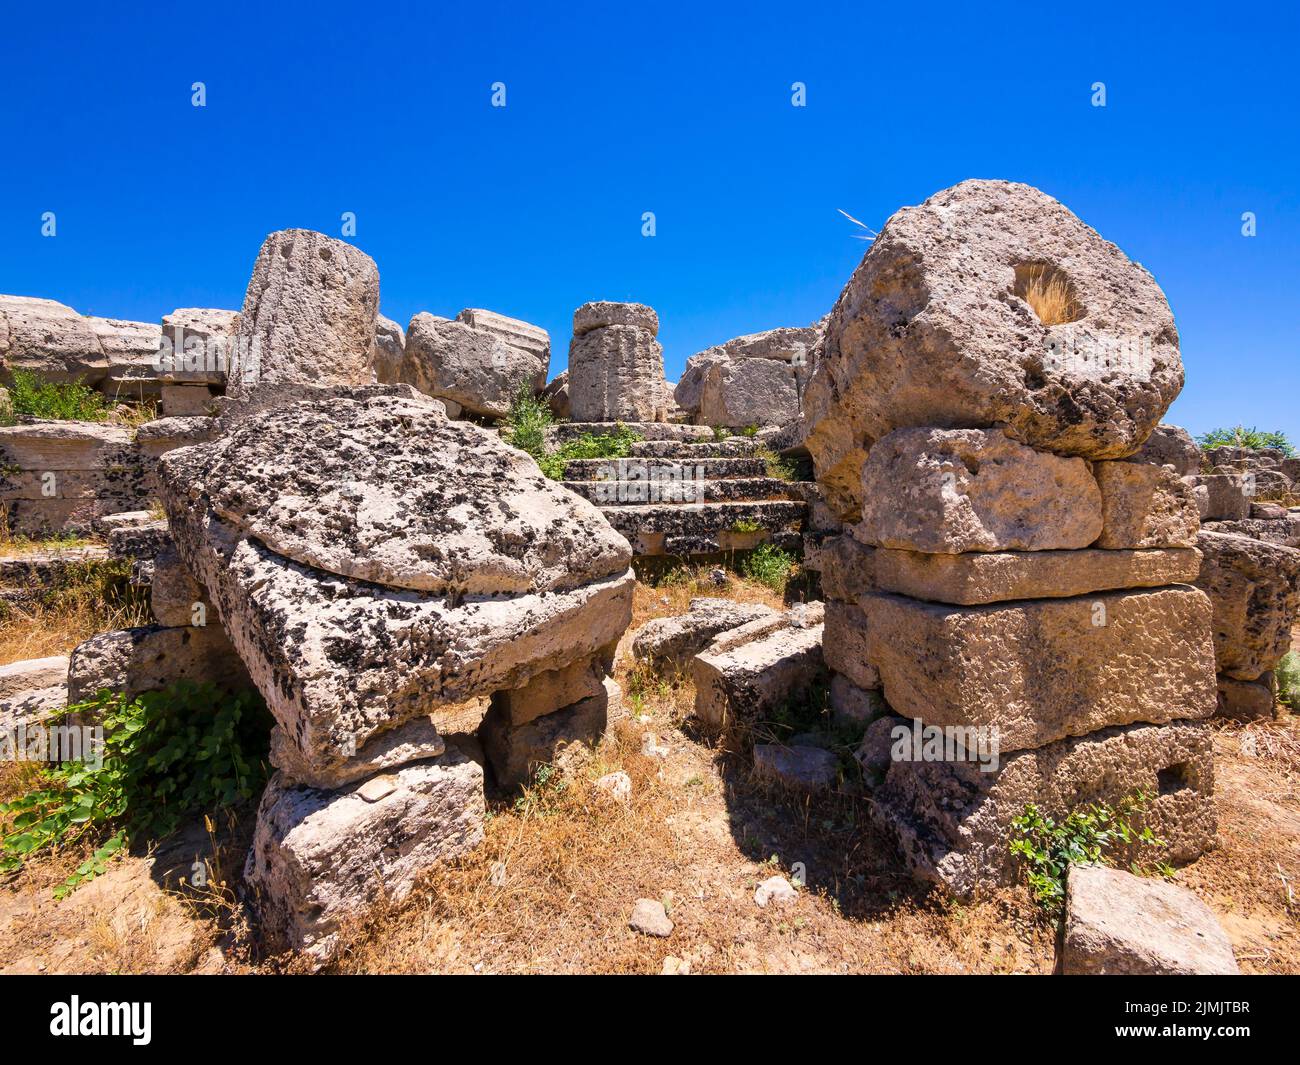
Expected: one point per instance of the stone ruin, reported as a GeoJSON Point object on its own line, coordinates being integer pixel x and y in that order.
{"type": "Point", "coordinates": [1012, 550]}
{"type": "Point", "coordinates": [1006, 570]}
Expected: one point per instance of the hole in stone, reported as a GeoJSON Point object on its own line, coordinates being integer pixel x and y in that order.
{"type": "Point", "coordinates": [1174, 778]}
{"type": "Point", "coordinates": [1049, 293]}
{"type": "Point", "coordinates": [326, 254]}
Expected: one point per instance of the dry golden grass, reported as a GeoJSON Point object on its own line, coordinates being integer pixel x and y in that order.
{"type": "Point", "coordinates": [95, 598]}
{"type": "Point", "coordinates": [1048, 292]}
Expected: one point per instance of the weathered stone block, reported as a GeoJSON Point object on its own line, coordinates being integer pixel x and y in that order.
{"type": "Point", "coordinates": [1118, 924]}
{"type": "Point", "coordinates": [670, 643]}
{"type": "Point", "coordinates": [990, 577]}
{"type": "Point", "coordinates": [845, 646]}
{"type": "Point", "coordinates": [1145, 506]}
{"type": "Point", "coordinates": [1253, 588]}
{"type": "Point", "coordinates": [744, 684]}
{"type": "Point", "coordinates": [1043, 669]}
{"type": "Point", "coordinates": [320, 857]}
{"type": "Point", "coordinates": [955, 490]}
{"type": "Point", "coordinates": [953, 821]}
{"type": "Point", "coordinates": [149, 658]}
{"type": "Point", "coordinates": [559, 738]}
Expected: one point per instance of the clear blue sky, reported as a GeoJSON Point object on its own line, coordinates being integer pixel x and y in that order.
{"type": "Point", "coordinates": [684, 110]}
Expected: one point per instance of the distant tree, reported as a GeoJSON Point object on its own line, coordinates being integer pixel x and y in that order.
{"type": "Point", "coordinates": [1240, 436]}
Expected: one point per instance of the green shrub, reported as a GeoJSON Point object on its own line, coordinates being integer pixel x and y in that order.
{"type": "Point", "coordinates": [63, 400]}
{"type": "Point", "coordinates": [749, 430]}
{"type": "Point", "coordinates": [616, 444]}
{"type": "Point", "coordinates": [720, 433]}
{"type": "Point", "coordinates": [1086, 837]}
{"type": "Point", "coordinates": [527, 422]}
{"type": "Point", "coordinates": [1240, 436]}
{"type": "Point", "coordinates": [769, 565]}
{"type": "Point", "coordinates": [1288, 681]}
{"type": "Point", "coordinates": [167, 755]}
{"type": "Point", "coordinates": [746, 525]}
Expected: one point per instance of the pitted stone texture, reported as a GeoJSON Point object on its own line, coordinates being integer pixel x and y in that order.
{"type": "Point", "coordinates": [390, 350]}
{"type": "Point", "coordinates": [309, 315]}
{"type": "Point", "coordinates": [1145, 506]}
{"type": "Point", "coordinates": [930, 331]}
{"type": "Point", "coordinates": [131, 349]}
{"type": "Point", "coordinates": [1283, 532]}
{"type": "Point", "coordinates": [514, 580]}
{"type": "Point", "coordinates": [743, 684]}
{"type": "Point", "coordinates": [954, 490]}
{"type": "Point", "coordinates": [671, 642]}
{"type": "Point", "coordinates": [377, 485]}
{"type": "Point", "coordinates": [1044, 669]}
{"type": "Point", "coordinates": [953, 821]}
{"type": "Point", "coordinates": [845, 644]}
{"type": "Point", "coordinates": [746, 392]}
{"type": "Point", "coordinates": [474, 368]}
{"type": "Point", "coordinates": [50, 340]}
{"type": "Point", "coordinates": [150, 658]}
{"type": "Point", "coordinates": [320, 857]}
{"type": "Point", "coordinates": [991, 577]}
{"type": "Point", "coordinates": [31, 690]}
{"type": "Point", "coordinates": [616, 373]}
{"type": "Point", "coordinates": [602, 314]}
{"type": "Point", "coordinates": [1254, 588]}
{"type": "Point", "coordinates": [156, 438]}
{"type": "Point", "coordinates": [563, 738]}
{"type": "Point", "coordinates": [1170, 445]}
{"type": "Point", "coordinates": [847, 567]}
{"type": "Point", "coordinates": [1118, 924]}
{"type": "Point", "coordinates": [202, 342]}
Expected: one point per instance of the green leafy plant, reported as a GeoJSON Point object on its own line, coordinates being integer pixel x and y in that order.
{"type": "Point", "coordinates": [167, 755]}
{"type": "Point", "coordinates": [527, 421]}
{"type": "Point", "coordinates": [615, 444]}
{"type": "Point", "coordinates": [1240, 436]}
{"type": "Point", "coordinates": [769, 565]}
{"type": "Point", "coordinates": [1287, 673]}
{"type": "Point", "coordinates": [720, 433]}
{"type": "Point", "coordinates": [1087, 835]}
{"type": "Point", "coordinates": [749, 430]}
{"type": "Point", "coordinates": [746, 526]}
{"type": "Point", "coordinates": [35, 397]}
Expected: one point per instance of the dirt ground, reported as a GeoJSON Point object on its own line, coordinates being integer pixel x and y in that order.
{"type": "Point", "coordinates": [551, 889]}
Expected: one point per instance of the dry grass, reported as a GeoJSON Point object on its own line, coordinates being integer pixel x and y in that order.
{"type": "Point", "coordinates": [95, 597]}
{"type": "Point", "coordinates": [1048, 293]}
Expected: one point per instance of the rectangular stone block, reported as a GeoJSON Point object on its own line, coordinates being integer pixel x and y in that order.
{"type": "Point", "coordinates": [1226, 496]}
{"type": "Point", "coordinates": [847, 567]}
{"type": "Point", "coordinates": [320, 857]}
{"type": "Point", "coordinates": [150, 658]}
{"type": "Point", "coordinates": [978, 577]}
{"type": "Point", "coordinates": [953, 821]}
{"type": "Point", "coordinates": [174, 593]}
{"type": "Point", "coordinates": [1145, 506]}
{"type": "Point", "coordinates": [1043, 669]}
{"type": "Point", "coordinates": [184, 401]}
{"type": "Point", "coordinates": [516, 751]}
{"type": "Point", "coordinates": [1248, 700]}
{"type": "Point", "coordinates": [844, 647]}
{"type": "Point", "coordinates": [751, 681]}
{"type": "Point", "coordinates": [555, 689]}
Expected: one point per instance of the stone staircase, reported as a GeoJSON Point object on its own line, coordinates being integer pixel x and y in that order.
{"type": "Point", "coordinates": [692, 497]}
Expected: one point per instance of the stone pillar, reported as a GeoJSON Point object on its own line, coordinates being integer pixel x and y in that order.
{"type": "Point", "coordinates": [616, 366]}
{"type": "Point", "coordinates": [1013, 594]}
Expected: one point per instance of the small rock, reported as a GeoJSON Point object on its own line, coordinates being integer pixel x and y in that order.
{"type": "Point", "coordinates": [650, 918]}
{"type": "Point", "coordinates": [674, 966]}
{"type": "Point", "coordinates": [718, 577]}
{"type": "Point", "coordinates": [617, 785]}
{"type": "Point", "coordinates": [802, 768]}
{"type": "Point", "coordinates": [377, 788]}
{"type": "Point", "coordinates": [775, 889]}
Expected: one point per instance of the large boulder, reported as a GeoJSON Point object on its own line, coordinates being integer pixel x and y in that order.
{"type": "Point", "coordinates": [1170, 445]}
{"type": "Point", "coordinates": [746, 392]}
{"type": "Point", "coordinates": [374, 561]}
{"type": "Point", "coordinates": [1254, 589]}
{"type": "Point", "coordinates": [309, 315]}
{"type": "Point", "coordinates": [470, 369]}
{"type": "Point", "coordinates": [955, 490]}
{"type": "Point", "coordinates": [935, 328]}
{"type": "Point", "coordinates": [616, 366]}
{"type": "Point", "coordinates": [50, 340]}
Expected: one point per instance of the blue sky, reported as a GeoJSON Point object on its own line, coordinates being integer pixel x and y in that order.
{"type": "Point", "coordinates": [613, 110]}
